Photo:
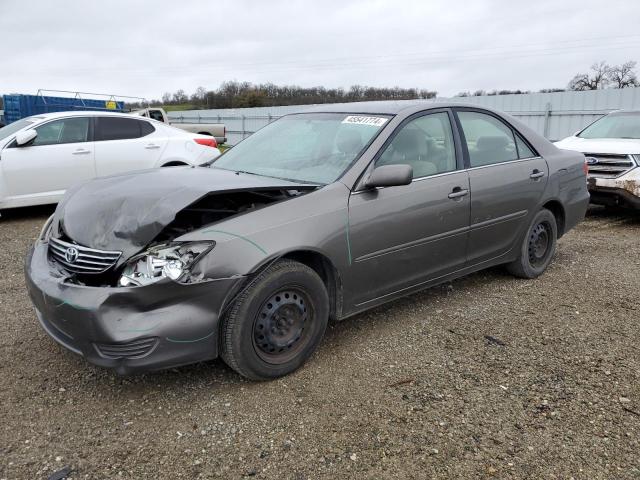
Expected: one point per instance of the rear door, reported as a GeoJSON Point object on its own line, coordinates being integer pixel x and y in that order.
{"type": "Point", "coordinates": [61, 155]}
{"type": "Point", "coordinates": [406, 235]}
{"type": "Point", "coordinates": [507, 180]}
{"type": "Point", "coordinates": [126, 144]}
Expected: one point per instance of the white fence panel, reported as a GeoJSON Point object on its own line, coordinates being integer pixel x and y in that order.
{"type": "Point", "coordinates": [554, 115]}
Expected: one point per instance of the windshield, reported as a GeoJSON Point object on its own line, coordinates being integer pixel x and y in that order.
{"type": "Point", "coordinates": [616, 125]}
{"type": "Point", "coordinates": [14, 127]}
{"type": "Point", "coordinates": [309, 147]}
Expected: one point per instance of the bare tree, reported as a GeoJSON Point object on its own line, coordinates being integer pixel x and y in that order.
{"type": "Point", "coordinates": [598, 79]}
{"type": "Point", "coordinates": [200, 93]}
{"type": "Point", "coordinates": [622, 76]}
{"type": "Point", "coordinates": [180, 97]}
{"type": "Point", "coordinates": [166, 97]}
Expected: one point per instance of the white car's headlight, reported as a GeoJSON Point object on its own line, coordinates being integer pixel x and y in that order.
{"type": "Point", "coordinates": [171, 260]}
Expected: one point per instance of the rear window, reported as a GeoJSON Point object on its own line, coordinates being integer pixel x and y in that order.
{"type": "Point", "coordinates": [117, 128]}
{"type": "Point", "coordinates": [146, 128]}
{"type": "Point", "coordinates": [156, 115]}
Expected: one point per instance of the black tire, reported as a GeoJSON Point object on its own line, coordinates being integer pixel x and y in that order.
{"type": "Point", "coordinates": [276, 323]}
{"type": "Point", "coordinates": [538, 246]}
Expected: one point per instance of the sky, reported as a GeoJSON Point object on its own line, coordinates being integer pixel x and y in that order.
{"type": "Point", "coordinates": [145, 48]}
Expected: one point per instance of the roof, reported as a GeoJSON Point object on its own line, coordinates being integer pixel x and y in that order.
{"type": "Point", "coordinates": [623, 111]}
{"type": "Point", "coordinates": [79, 113]}
{"type": "Point", "coordinates": [386, 106]}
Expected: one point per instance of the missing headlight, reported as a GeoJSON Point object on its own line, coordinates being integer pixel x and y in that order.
{"type": "Point", "coordinates": [171, 261]}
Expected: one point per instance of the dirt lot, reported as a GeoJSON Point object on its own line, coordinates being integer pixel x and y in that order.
{"type": "Point", "coordinates": [486, 377]}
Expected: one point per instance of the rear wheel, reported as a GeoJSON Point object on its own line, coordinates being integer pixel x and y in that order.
{"type": "Point", "coordinates": [276, 323]}
{"type": "Point", "coordinates": [538, 247]}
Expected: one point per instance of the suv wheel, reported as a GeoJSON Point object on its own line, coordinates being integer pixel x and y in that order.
{"type": "Point", "coordinates": [276, 323]}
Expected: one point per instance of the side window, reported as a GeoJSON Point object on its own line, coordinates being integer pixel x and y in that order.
{"type": "Point", "coordinates": [488, 139]}
{"type": "Point", "coordinates": [118, 128]}
{"type": "Point", "coordinates": [425, 143]}
{"type": "Point", "coordinates": [68, 130]}
{"type": "Point", "coordinates": [523, 149]}
{"type": "Point", "coordinates": [146, 128]}
{"type": "Point", "coordinates": [156, 115]}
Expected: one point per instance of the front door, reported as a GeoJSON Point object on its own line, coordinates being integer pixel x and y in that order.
{"type": "Point", "coordinates": [403, 236]}
{"type": "Point", "coordinates": [60, 156]}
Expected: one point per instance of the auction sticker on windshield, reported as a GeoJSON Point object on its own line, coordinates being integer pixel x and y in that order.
{"type": "Point", "coordinates": [360, 120]}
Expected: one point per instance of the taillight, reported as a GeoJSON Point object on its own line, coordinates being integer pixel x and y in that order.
{"type": "Point", "coordinates": [585, 167]}
{"type": "Point", "coordinates": [207, 142]}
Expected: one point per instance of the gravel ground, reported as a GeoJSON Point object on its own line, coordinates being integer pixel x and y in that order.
{"type": "Point", "coordinates": [486, 377]}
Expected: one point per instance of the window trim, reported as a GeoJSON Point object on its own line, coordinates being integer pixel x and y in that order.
{"type": "Point", "coordinates": [514, 132]}
{"type": "Point", "coordinates": [457, 146]}
{"type": "Point", "coordinates": [13, 144]}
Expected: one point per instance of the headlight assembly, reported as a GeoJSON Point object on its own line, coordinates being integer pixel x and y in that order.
{"type": "Point", "coordinates": [171, 260]}
{"type": "Point", "coordinates": [46, 230]}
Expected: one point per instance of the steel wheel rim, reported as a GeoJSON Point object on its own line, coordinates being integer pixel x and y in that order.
{"type": "Point", "coordinates": [282, 326]}
{"type": "Point", "coordinates": [539, 244]}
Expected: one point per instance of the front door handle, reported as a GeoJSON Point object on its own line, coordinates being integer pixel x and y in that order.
{"type": "Point", "coordinates": [536, 174]}
{"type": "Point", "coordinates": [152, 146]}
{"type": "Point", "coordinates": [458, 192]}
{"type": "Point", "coordinates": [81, 151]}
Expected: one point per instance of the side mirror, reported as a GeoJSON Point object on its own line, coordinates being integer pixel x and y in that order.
{"type": "Point", "coordinates": [23, 138]}
{"type": "Point", "coordinates": [390, 176]}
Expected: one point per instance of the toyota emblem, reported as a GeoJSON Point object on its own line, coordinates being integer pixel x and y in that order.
{"type": "Point", "coordinates": [71, 255]}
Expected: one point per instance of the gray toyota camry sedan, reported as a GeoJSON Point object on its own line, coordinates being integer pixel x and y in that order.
{"type": "Point", "coordinates": [317, 216]}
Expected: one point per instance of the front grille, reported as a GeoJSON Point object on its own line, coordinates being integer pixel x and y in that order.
{"type": "Point", "coordinates": [79, 259]}
{"type": "Point", "coordinates": [135, 349]}
{"type": "Point", "coordinates": [609, 166]}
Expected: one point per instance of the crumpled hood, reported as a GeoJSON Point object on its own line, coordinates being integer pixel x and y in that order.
{"type": "Point", "coordinates": [126, 212]}
{"type": "Point", "coordinates": [615, 146]}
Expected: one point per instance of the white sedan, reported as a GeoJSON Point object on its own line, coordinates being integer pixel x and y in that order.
{"type": "Point", "coordinates": [43, 155]}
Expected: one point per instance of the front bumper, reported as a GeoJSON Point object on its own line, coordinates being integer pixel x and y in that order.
{"type": "Point", "coordinates": [130, 330]}
{"type": "Point", "coordinates": [621, 191]}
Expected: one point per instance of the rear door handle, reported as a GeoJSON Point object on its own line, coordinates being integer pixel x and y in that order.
{"type": "Point", "coordinates": [81, 151]}
{"type": "Point", "coordinates": [152, 146]}
{"type": "Point", "coordinates": [536, 174]}
{"type": "Point", "coordinates": [458, 193]}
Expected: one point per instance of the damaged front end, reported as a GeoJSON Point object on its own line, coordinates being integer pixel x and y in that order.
{"type": "Point", "coordinates": [133, 222]}
{"type": "Point", "coordinates": [618, 186]}
{"type": "Point", "coordinates": [128, 329]}
{"type": "Point", "coordinates": [111, 280]}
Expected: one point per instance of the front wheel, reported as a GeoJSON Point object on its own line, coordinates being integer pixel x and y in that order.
{"type": "Point", "coordinates": [276, 323]}
{"type": "Point", "coordinates": [538, 247]}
